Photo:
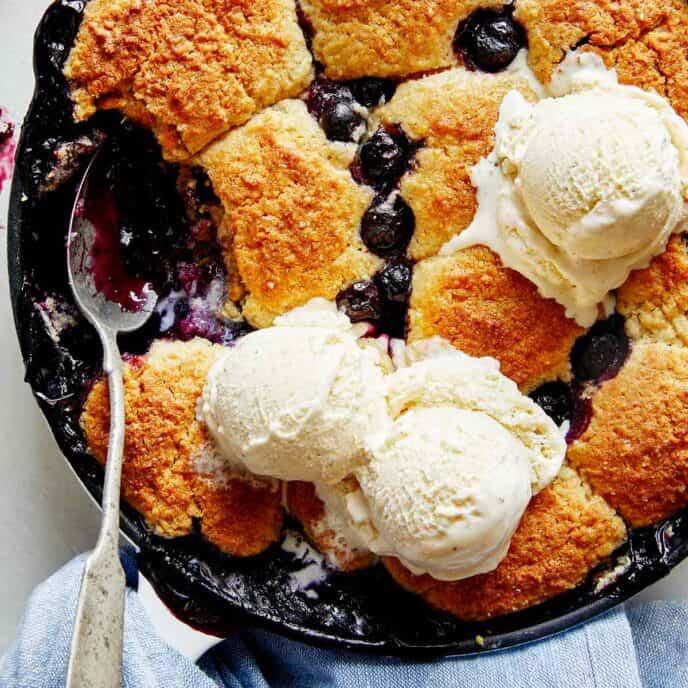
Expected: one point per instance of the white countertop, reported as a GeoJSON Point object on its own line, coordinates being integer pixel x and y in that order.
{"type": "Point", "coordinates": [46, 516]}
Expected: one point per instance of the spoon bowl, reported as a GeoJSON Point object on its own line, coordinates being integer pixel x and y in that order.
{"type": "Point", "coordinates": [107, 296]}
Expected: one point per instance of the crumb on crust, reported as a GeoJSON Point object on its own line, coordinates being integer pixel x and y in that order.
{"type": "Point", "coordinates": [386, 38]}
{"type": "Point", "coordinates": [453, 113]}
{"type": "Point", "coordinates": [305, 506]}
{"type": "Point", "coordinates": [189, 71]}
{"type": "Point", "coordinates": [485, 309]}
{"type": "Point", "coordinates": [293, 211]}
{"type": "Point", "coordinates": [645, 40]}
{"type": "Point", "coordinates": [162, 437]}
{"type": "Point", "coordinates": [565, 532]}
{"type": "Point", "coordinates": [654, 301]}
{"type": "Point", "coordinates": [635, 451]}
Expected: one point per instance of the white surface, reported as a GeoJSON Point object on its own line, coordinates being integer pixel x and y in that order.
{"type": "Point", "coordinates": [46, 518]}
{"type": "Point", "coordinates": [192, 644]}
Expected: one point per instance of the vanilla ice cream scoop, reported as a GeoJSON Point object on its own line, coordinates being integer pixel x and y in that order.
{"type": "Point", "coordinates": [297, 401]}
{"type": "Point", "coordinates": [447, 484]}
{"type": "Point", "coordinates": [581, 188]}
{"type": "Point", "coordinates": [600, 175]}
{"type": "Point", "coordinates": [437, 374]}
{"type": "Point", "coordinates": [444, 492]}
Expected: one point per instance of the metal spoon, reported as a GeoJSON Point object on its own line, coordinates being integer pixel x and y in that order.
{"type": "Point", "coordinates": [96, 654]}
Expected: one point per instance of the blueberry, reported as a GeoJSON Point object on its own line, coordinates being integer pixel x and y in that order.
{"type": "Point", "coordinates": [361, 301]}
{"type": "Point", "coordinates": [323, 94]}
{"type": "Point", "coordinates": [489, 39]}
{"type": "Point", "coordinates": [387, 226]}
{"type": "Point", "coordinates": [556, 400]}
{"type": "Point", "coordinates": [333, 105]}
{"type": "Point", "coordinates": [385, 155]}
{"type": "Point", "coordinates": [582, 415]}
{"type": "Point", "coordinates": [601, 352]}
{"type": "Point", "coordinates": [340, 121]}
{"type": "Point", "coordinates": [369, 91]}
{"type": "Point", "coordinates": [394, 279]}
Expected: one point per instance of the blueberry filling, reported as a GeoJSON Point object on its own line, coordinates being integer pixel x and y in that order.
{"type": "Point", "coordinates": [582, 415]}
{"type": "Point", "coordinates": [489, 39]}
{"type": "Point", "coordinates": [306, 26]}
{"type": "Point", "coordinates": [387, 226]}
{"type": "Point", "coordinates": [394, 280]}
{"type": "Point", "coordinates": [341, 122]}
{"type": "Point", "coordinates": [599, 354]}
{"type": "Point", "coordinates": [361, 301]}
{"type": "Point", "coordinates": [333, 105]}
{"type": "Point", "coordinates": [371, 92]}
{"type": "Point", "coordinates": [384, 155]}
{"type": "Point", "coordinates": [556, 400]}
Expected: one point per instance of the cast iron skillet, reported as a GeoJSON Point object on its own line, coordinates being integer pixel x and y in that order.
{"type": "Point", "coordinates": [364, 611]}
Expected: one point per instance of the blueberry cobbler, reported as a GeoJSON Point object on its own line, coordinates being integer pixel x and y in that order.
{"type": "Point", "coordinates": [426, 293]}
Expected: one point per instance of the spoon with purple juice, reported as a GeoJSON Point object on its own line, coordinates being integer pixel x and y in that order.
{"type": "Point", "coordinates": [114, 302]}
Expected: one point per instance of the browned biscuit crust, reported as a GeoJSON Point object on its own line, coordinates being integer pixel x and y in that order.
{"type": "Point", "coordinates": [635, 451]}
{"type": "Point", "coordinates": [305, 506]}
{"type": "Point", "coordinates": [486, 309]}
{"type": "Point", "coordinates": [654, 301]}
{"type": "Point", "coordinates": [188, 70]}
{"type": "Point", "coordinates": [645, 40]}
{"type": "Point", "coordinates": [293, 211]}
{"type": "Point", "coordinates": [163, 437]}
{"type": "Point", "coordinates": [354, 38]}
{"type": "Point", "coordinates": [565, 532]}
{"type": "Point", "coordinates": [453, 113]}
{"type": "Point", "coordinates": [240, 517]}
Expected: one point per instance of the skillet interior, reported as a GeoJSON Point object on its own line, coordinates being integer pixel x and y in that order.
{"type": "Point", "coordinates": [207, 589]}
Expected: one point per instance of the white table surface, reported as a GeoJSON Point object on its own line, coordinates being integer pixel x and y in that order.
{"type": "Point", "coordinates": [45, 516]}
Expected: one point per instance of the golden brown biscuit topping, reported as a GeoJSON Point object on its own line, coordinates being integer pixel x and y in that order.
{"type": "Point", "coordinates": [486, 309]}
{"type": "Point", "coordinates": [385, 38]}
{"type": "Point", "coordinates": [453, 113]}
{"type": "Point", "coordinates": [163, 437]}
{"type": "Point", "coordinates": [635, 451]}
{"type": "Point", "coordinates": [191, 70]}
{"type": "Point", "coordinates": [654, 301]}
{"type": "Point", "coordinates": [293, 211]}
{"type": "Point", "coordinates": [645, 40]}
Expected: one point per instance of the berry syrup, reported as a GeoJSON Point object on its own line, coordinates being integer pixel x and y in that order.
{"type": "Point", "coordinates": [8, 148]}
{"type": "Point", "coordinates": [110, 276]}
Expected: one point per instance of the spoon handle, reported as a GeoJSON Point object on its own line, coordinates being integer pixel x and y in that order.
{"type": "Point", "coordinates": [96, 655]}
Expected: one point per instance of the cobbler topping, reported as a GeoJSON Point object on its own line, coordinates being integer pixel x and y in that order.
{"type": "Point", "coordinates": [361, 301]}
{"type": "Point", "coordinates": [490, 39]}
{"type": "Point", "coordinates": [387, 226]}
{"type": "Point", "coordinates": [556, 400]}
{"type": "Point", "coordinates": [599, 354]}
